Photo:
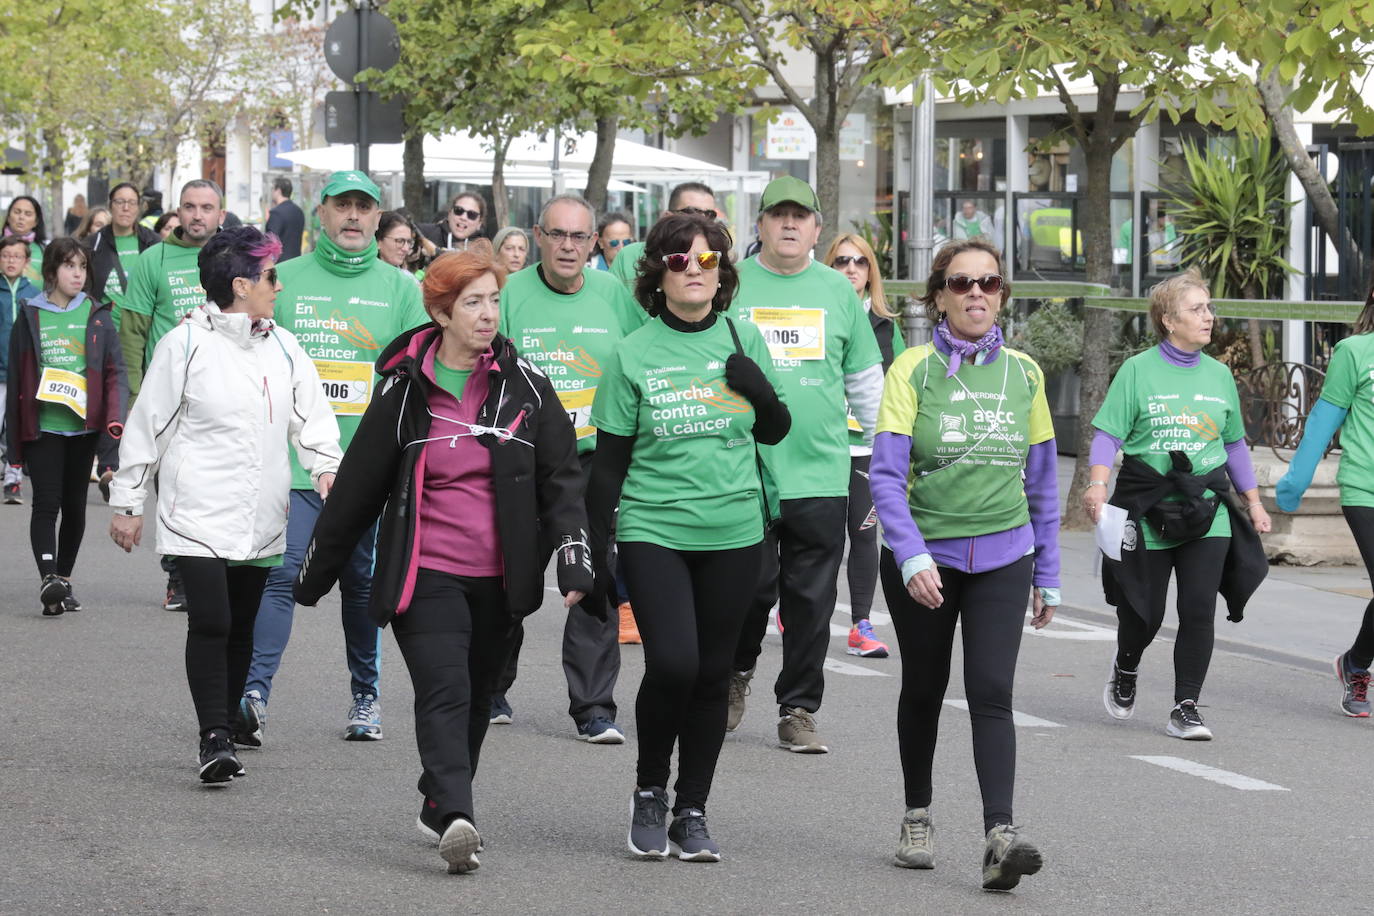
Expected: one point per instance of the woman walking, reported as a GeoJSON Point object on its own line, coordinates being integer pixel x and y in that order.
{"type": "Point", "coordinates": [678, 411]}
{"type": "Point", "coordinates": [226, 395]}
{"type": "Point", "coordinates": [24, 219]}
{"type": "Point", "coordinates": [963, 478]}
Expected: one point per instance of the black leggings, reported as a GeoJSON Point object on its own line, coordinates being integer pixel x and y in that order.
{"type": "Point", "coordinates": [60, 468]}
{"type": "Point", "coordinates": [862, 566]}
{"type": "Point", "coordinates": [992, 606]}
{"type": "Point", "coordinates": [690, 606]}
{"type": "Point", "coordinates": [1361, 521]}
{"type": "Point", "coordinates": [1197, 566]}
{"type": "Point", "coordinates": [221, 603]}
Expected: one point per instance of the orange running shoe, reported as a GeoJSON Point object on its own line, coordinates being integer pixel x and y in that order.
{"type": "Point", "coordinates": [629, 632]}
{"type": "Point", "coordinates": [863, 643]}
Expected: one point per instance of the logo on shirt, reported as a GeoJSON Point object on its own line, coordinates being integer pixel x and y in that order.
{"type": "Point", "coordinates": [952, 428]}
{"type": "Point", "coordinates": [580, 329]}
{"type": "Point", "coordinates": [358, 300]}
{"type": "Point", "coordinates": [714, 365]}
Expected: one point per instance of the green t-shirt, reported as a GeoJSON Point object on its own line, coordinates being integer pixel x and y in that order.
{"type": "Point", "coordinates": [817, 333]}
{"type": "Point", "coordinates": [343, 318]}
{"type": "Point", "coordinates": [126, 246]}
{"type": "Point", "coordinates": [970, 436]}
{"type": "Point", "coordinates": [856, 432]}
{"type": "Point", "coordinates": [1155, 407]}
{"type": "Point", "coordinates": [451, 380]}
{"type": "Point", "coordinates": [625, 265]}
{"type": "Point", "coordinates": [569, 336]}
{"type": "Point", "coordinates": [164, 284]}
{"type": "Point", "coordinates": [62, 348]}
{"type": "Point", "coordinates": [1350, 384]}
{"type": "Point", "coordinates": [693, 480]}
{"type": "Point", "coordinates": [34, 270]}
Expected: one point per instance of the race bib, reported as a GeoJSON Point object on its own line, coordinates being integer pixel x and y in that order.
{"type": "Point", "coordinates": [854, 423]}
{"type": "Point", "coordinates": [792, 333]}
{"type": "Point", "coordinates": [58, 386]}
{"type": "Point", "coordinates": [347, 385]}
{"type": "Point", "coordinates": [578, 404]}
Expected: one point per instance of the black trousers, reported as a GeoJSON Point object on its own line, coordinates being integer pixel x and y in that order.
{"type": "Point", "coordinates": [861, 568]}
{"type": "Point", "coordinates": [455, 638]}
{"type": "Point", "coordinates": [1196, 566]}
{"type": "Point", "coordinates": [992, 608]}
{"type": "Point", "coordinates": [801, 563]}
{"type": "Point", "coordinates": [221, 605]}
{"type": "Point", "coordinates": [689, 609]}
{"type": "Point", "coordinates": [60, 469]}
{"type": "Point", "coordinates": [1361, 521]}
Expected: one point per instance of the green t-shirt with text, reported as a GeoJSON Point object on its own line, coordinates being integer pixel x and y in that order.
{"type": "Point", "coordinates": [1350, 384]}
{"type": "Point", "coordinates": [164, 284]}
{"type": "Point", "coordinates": [126, 247]}
{"type": "Point", "coordinates": [693, 480]}
{"type": "Point", "coordinates": [817, 333]}
{"type": "Point", "coordinates": [569, 336]}
{"type": "Point", "coordinates": [62, 343]}
{"type": "Point", "coordinates": [1155, 408]}
{"type": "Point", "coordinates": [626, 264]}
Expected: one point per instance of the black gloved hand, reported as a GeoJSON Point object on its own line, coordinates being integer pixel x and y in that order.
{"type": "Point", "coordinates": [575, 565]}
{"type": "Point", "coordinates": [743, 375]}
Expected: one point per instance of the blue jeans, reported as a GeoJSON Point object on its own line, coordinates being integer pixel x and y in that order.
{"type": "Point", "coordinates": [362, 637]}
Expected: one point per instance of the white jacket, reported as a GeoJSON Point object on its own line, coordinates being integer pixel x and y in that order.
{"type": "Point", "coordinates": [218, 410]}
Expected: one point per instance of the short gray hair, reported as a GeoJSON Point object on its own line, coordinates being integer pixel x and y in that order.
{"type": "Point", "coordinates": [201, 183]}
{"type": "Point", "coordinates": [572, 199]}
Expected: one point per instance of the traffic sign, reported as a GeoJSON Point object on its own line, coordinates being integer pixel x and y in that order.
{"type": "Point", "coordinates": [385, 123]}
{"type": "Point", "coordinates": [359, 39]}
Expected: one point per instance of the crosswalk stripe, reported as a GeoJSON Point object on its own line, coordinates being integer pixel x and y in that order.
{"type": "Point", "coordinates": [1224, 777]}
{"type": "Point", "coordinates": [839, 667]}
{"type": "Point", "coordinates": [1077, 630]}
{"type": "Point", "coordinates": [1024, 720]}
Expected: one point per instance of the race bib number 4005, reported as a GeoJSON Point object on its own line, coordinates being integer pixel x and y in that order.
{"type": "Point", "coordinates": [347, 385]}
{"type": "Point", "coordinates": [792, 333]}
{"type": "Point", "coordinates": [578, 404]}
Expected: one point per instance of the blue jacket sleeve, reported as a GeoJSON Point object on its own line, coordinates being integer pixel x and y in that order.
{"type": "Point", "coordinates": [1322, 424]}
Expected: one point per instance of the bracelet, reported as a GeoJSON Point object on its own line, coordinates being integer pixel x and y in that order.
{"type": "Point", "coordinates": [1096, 483]}
{"type": "Point", "coordinates": [1253, 505]}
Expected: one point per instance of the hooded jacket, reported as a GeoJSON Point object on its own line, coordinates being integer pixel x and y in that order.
{"type": "Point", "coordinates": [12, 295]}
{"type": "Point", "coordinates": [537, 480]}
{"type": "Point", "coordinates": [105, 258]}
{"type": "Point", "coordinates": [221, 404]}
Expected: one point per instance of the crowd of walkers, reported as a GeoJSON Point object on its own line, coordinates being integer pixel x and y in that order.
{"type": "Point", "coordinates": [414, 414]}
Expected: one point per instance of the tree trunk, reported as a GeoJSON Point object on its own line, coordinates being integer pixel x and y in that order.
{"type": "Point", "coordinates": [1274, 97]}
{"type": "Point", "coordinates": [500, 199]}
{"type": "Point", "coordinates": [599, 174]}
{"type": "Point", "coordinates": [827, 128]}
{"type": "Point", "coordinates": [413, 184]}
{"type": "Point", "coordinates": [57, 214]}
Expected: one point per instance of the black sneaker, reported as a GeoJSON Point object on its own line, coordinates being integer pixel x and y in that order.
{"type": "Point", "coordinates": [648, 837]}
{"type": "Point", "coordinates": [428, 822]}
{"type": "Point", "coordinates": [1186, 723]}
{"type": "Point", "coordinates": [51, 594]}
{"type": "Point", "coordinates": [12, 497]}
{"type": "Point", "coordinates": [176, 596]}
{"type": "Point", "coordinates": [69, 603]}
{"type": "Point", "coordinates": [501, 713]}
{"type": "Point", "coordinates": [689, 840]}
{"type": "Point", "coordinates": [1119, 694]}
{"type": "Point", "coordinates": [459, 846]}
{"type": "Point", "coordinates": [218, 763]}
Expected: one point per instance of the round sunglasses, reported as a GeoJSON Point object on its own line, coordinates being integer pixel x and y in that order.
{"type": "Point", "coordinates": [709, 260]}
{"type": "Point", "coordinates": [960, 284]}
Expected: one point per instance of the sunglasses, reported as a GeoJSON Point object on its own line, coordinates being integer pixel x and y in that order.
{"type": "Point", "coordinates": [470, 214]}
{"type": "Point", "coordinates": [270, 275]}
{"type": "Point", "coordinates": [618, 243]}
{"type": "Point", "coordinates": [960, 284]}
{"type": "Point", "coordinates": [844, 260]}
{"type": "Point", "coordinates": [677, 263]}
{"type": "Point", "coordinates": [696, 211]}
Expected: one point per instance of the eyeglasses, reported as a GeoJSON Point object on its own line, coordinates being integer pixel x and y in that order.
{"type": "Point", "coordinates": [696, 211]}
{"type": "Point", "coordinates": [960, 284]}
{"type": "Point", "coordinates": [559, 236]}
{"type": "Point", "coordinates": [470, 214]}
{"type": "Point", "coordinates": [1205, 308]}
{"type": "Point", "coordinates": [618, 243]}
{"type": "Point", "coordinates": [124, 202]}
{"type": "Point", "coordinates": [677, 263]}
{"type": "Point", "coordinates": [270, 275]}
{"type": "Point", "coordinates": [844, 260]}
{"type": "Point", "coordinates": [401, 242]}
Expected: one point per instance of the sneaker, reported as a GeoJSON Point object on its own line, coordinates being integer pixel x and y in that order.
{"type": "Point", "coordinates": [600, 730]}
{"type": "Point", "coordinates": [251, 720]}
{"type": "Point", "coordinates": [1007, 857]}
{"type": "Point", "coordinates": [1185, 723]}
{"type": "Point", "coordinates": [689, 840]}
{"type": "Point", "coordinates": [1355, 702]}
{"type": "Point", "coordinates": [176, 596]}
{"type": "Point", "coordinates": [428, 821]}
{"type": "Point", "coordinates": [218, 763]}
{"type": "Point", "coordinates": [12, 496]}
{"type": "Point", "coordinates": [739, 689]}
{"type": "Point", "coordinates": [458, 846]}
{"type": "Point", "coordinates": [863, 643]}
{"type": "Point", "coordinates": [916, 845]}
{"type": "Point", "coordinates": [69, 602]}
{"type": "Point", "coordinates": [364, 719]}
{"type": "Point", "coordinates": [648, 836]}
{"type": "Point", "coordinates": [797, 732]}
{"type": "Point", "coordinates": [629, 630]}
{"type": "Point", "coordinates": [1119, 694]}
{"type": "Point", "coordinates": [51, 595]}
{"type": "Point", "coordinates": [501, 713]}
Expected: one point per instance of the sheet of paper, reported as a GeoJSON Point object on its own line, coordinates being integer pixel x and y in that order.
{"type": "Point", "coordinates": [1111, 529]}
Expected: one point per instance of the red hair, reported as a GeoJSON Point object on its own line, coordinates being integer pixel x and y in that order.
{"type": "Point", "coordinates": [452, 273]}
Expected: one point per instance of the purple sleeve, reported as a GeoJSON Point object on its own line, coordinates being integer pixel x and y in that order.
{"type": "Point", "coordinates": [887, 480]}
{"type": "Point", "coordinates": [1042, 495]}
{"type": "Point", "coordinates": [1239, 467]}
{"type": "Point", "coordinates": [1104, 449]}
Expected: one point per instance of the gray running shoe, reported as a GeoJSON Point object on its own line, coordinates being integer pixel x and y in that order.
{"type": "Point", "coordinates": [797, 732]}
{"type": "Point", "coordinates": [1355, 702]}
{"type": "Point", "coordinates": [648, 836]}
{"type": "Point", "coordinates": [689, 840]}
{"type": "Point", "coordinates": [739, 689]}
{"type": "Point", "coordinates": [916, 846]}
{"type": "Point", "coordinates": [1186, 723]}
{"type": "Point", "coordinates": [459, 845]}
{"type": "Point", "coordinates": [1007, 857]}
{"type": "Point", "coordinates": [364, 719]}
{"type": "Point", "coordinates": [1119, 694]}
{"type": "Point", "coordinates": [251, 720]}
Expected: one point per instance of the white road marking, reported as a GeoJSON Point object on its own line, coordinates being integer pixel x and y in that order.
{"type": "Point", "coordinates": [1077, 629]}
{"type": "Point", "coordinates": [1224, 777]}
{"type": "Point", "coordinates": [839, 667]}
{"type": "Point", "coordinates": [1022, 719]}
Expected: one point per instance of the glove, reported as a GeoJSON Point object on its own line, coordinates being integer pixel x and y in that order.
{"type": "Point", "coordinates": [743, 375]}
{"type": "Point", "coordinates": [575, 565]}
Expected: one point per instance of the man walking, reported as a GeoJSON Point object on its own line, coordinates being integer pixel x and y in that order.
{"type": "Point", "coordinates": [286, 220]}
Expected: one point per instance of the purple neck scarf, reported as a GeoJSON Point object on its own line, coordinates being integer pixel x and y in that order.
{"type": "Point", "coordinates": [960, 349]}
{"type": "Point", "coordinates": [27, 236]}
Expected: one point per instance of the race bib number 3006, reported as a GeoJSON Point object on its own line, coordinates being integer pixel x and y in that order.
{"type": "Point", "coordinates": [792, 333]}
{"type": "Point", "coordinates": [347, 385]}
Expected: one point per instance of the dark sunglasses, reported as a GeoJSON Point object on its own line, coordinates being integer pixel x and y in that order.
{"type": "Point", "coordinates": [709, 260]}
{"type": "Point", "coordinates": [617, 243]}
{"type": "Point", "coordinates": [470, 214]}
{"type": "Point", "coordinates": [270, 275]}
{"type": "Point", "coordinates": [696, 211]}
{"type": "Point", "coordinates": [960, 284]}
{"type": "Point", "coordinates": [844, 260]}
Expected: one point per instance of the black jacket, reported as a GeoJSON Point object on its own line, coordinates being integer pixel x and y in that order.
{"type": "Point", "coordinates": [883, 329]}
{"type": "Point", "coordinates": [537, 481]}
{"type": "Point", "coordinates": [438, 234]}
{"type": "Point", "coordinates": [287, 222]}
{"type": "Point", "coordinates": [104, 257]}
{"type": "Point", "coordinates": [1139, 488]}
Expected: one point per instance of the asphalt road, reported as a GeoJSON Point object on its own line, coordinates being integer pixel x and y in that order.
{"type": "Point", "coordinates": [102, 812]}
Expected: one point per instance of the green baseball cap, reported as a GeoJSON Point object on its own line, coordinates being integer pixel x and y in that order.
{"type": "Point", "coordinates": [789, 190]}
{"type": "Point", "coordinates": [351, 180]}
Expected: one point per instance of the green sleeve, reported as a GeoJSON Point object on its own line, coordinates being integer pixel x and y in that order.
{"type": "Point", "coordinates": [413, 304]}
{"type": "Point", "coordinates": [861, 350]}
{"type": "Point", "coordinates": [133, 342]}
{"type": "Point", "coordinates": [141, 294]}
{"type": "Point", "coordinates": [898, 337]}
{"type": "Point", "coordinates": [1117, 415]}
{"type": "Point", "coordinates": [632, 317]}
{"type": "Point", "coordinates": [615, 408]}
{"type": "Point", "coordinates": [623, 267]}
{"type": "Point", "coordinates": [1339, 387]}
